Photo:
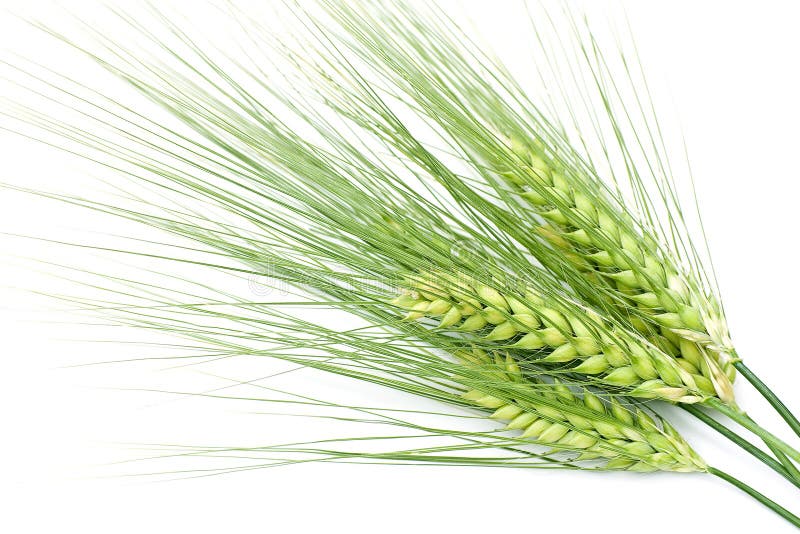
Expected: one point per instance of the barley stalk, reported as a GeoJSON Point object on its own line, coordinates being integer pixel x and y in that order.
{"type": "Point", "coordinates": [621, 438]}
{"type": "Point", "coordinates": [583, 344]}
{"type": "Point", "coordinates": [605, 246]}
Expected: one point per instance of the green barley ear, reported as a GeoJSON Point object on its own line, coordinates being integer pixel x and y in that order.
{"type": "Point", "coordinates": [552, 414]}
{"type": "Point", "coordinates": [619, 260]}
{"type": "Point", "coordinates": [570, 340]}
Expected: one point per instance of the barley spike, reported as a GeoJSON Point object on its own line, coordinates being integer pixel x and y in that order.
{"type": "Point", "coordinates": [552, 414]}
{"type": "Point", "coordinates": [584, 344]}
{"type": "Point", "coordinates": [603, 244]}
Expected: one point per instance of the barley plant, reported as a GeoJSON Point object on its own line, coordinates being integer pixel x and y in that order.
{"type": "Point", "coordinates": [519, 257]}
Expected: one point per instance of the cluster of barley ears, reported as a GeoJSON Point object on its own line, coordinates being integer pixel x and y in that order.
{"type": "Point", "coordinates": [577, 300]}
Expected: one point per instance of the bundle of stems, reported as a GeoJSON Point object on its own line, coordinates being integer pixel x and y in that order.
{"type": "Point", "coordinates": [384, 165]}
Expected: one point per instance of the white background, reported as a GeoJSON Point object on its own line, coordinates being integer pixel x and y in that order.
{"type": "Point", "coordinates": [732, 71]}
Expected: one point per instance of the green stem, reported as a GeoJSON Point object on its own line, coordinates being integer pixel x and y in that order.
{"type": "Point", "coordinates": [787, 463]}
{"type": "Point", "coordinates": [762, 456]}
{"type": "Point", "coordinates": [745, 421]}
{"type": "Point", "coordinates": [771, 397]}
{"type": "Point", "coordinates": [760, 497]}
